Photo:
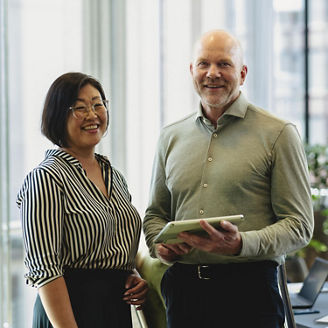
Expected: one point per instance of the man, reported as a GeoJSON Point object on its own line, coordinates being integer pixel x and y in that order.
{"type": "Point", "coordinates": [230, 157]}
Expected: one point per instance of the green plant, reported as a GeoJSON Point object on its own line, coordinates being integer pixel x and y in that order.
{"type": "Point", "coordinates": [317, 157]}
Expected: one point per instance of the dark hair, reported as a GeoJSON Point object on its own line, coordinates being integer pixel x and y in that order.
{"type": "Point", "coordinates": [61, 95]}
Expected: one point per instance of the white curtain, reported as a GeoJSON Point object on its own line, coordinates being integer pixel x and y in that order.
{"type": "Point", "coordinates": [5, 308]}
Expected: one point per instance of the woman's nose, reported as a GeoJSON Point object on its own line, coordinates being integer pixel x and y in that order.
{"type": "Point", "coordinates": [91, 112]}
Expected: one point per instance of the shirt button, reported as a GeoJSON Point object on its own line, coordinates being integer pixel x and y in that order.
{"type": "Point", "coordinates": [215, 135]}
{"type": "Point", "coordinates": [205, 185]}
{"type": "Point", "coordinates": [201, 212]}
{"type": "Point", "coordinates": [210, 159]}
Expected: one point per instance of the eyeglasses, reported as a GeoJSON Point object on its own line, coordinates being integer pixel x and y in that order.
{"type": "Point", "coordinates": [80, 112]}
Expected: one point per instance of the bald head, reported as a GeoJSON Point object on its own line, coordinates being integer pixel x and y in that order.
{"type": "Point", "coordinates": [215, 39]}
{"type": "Point", "coordinates": [217, 71]}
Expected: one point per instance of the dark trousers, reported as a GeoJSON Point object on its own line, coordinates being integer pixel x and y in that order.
{"type": "Point", "coordinates": [96, 298]}
{"type": "Point", "coordinates": [234, 296]}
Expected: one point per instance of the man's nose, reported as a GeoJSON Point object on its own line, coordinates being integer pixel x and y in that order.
{"type": "Point", "coordinates": [213, 72]}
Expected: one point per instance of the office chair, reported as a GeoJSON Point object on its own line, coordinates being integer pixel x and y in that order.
{"type": "Point", "coordinates": [282, 280]}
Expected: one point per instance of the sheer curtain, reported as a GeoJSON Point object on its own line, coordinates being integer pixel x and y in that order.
{"type": "Point", "coordinates": [40, 39]}
{"type": "Point", "coordinates": [160, 38]}
{"type": "Point", "coordinates": [140, 51]}
{"type": "Point", "coordinates": [5, 292]}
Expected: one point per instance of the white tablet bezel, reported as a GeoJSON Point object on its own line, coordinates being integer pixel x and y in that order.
{"type": "Point", "coordinates": [168, 235]}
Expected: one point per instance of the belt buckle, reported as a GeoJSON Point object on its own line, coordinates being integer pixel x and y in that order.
{"type": "Point", "coordinates": [201, 274]}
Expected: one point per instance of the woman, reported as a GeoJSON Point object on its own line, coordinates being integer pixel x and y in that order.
{"type": "Point", "coordinates": [81, 232]}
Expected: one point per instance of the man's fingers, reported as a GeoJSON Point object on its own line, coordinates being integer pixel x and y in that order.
{"type": "Point", "coordinates": [179, 249]}
{"type": "Point", "coordinates": [170, 252]}
{"type": "Point", "coordinates": [225, 225]}
{"type": "Point", "coordinates": [183, 247]}
{"type": "Point", "coordinates": [228, 226]}
{"type": "Point", "coordinates": [208, 228]}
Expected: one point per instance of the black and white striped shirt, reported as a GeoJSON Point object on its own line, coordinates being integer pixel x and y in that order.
{"type": "Point", "coordinates": [68, 223]}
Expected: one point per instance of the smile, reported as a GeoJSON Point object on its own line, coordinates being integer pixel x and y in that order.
{"type": "Point", "coordinates": [91, 127]}
{"type": "Point", "coordinates": [213, 86]}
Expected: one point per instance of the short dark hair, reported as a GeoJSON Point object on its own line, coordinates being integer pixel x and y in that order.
{"type": "Point", "coordinates": [61, 95]}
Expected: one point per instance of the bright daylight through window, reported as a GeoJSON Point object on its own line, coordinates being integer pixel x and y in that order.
{"type": "Point", "coordinates": [141, 51]}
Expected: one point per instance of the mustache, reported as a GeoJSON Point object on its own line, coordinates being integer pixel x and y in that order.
{"type": "Point", "coordinates": [215, 80]}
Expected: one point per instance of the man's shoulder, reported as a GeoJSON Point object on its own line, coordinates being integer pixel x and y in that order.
{"type": "Point", "coordinates": [179, 126]}
{"type": "Point", "coordinates": [185, 120]}
{"type": "Point", "coordinates": [265, 117]}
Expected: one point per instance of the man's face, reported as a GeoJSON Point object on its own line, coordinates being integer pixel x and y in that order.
{"type": "Point", "coordinates": [217, 71]}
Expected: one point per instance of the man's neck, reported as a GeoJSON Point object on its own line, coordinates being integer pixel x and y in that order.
{"type": "Point", "coordinates": [213, 113]}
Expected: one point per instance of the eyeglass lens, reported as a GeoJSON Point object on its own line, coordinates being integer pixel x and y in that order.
{"type": "Point", "coordinates": [80, 111]}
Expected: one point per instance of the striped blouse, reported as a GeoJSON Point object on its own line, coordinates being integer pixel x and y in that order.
{"type": "Point", "coordinates": [67, 222]}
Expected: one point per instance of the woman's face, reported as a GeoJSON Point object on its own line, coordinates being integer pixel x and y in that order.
{"type": "Point", "coordinates": [84, 131]}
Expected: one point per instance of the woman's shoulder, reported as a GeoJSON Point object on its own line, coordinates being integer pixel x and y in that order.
{"type": "Point", "coordinates": [51, 164]}
{"type": "Point", "coordinates": [50, 167]}
{"type": "Point", "coordinates": [46, 173]}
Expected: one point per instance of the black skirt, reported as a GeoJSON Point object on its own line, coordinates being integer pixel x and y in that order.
{"type": "Point", "coordinates": [96, 298]}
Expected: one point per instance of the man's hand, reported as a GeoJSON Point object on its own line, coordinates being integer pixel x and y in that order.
{"type": "Point", "coordinates": [225, 242]}
{"type": "Point", "coordinates": [170, 252]}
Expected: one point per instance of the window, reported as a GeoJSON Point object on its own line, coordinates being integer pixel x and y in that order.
{"type": "Point", "coordinates": [288, 59]}
{"type": "Point", "coordinates": [318, 80]}
{"type": "Point", "coordinates": [140, 51]}
{"type": "Point", "coordinates": [44, 40]}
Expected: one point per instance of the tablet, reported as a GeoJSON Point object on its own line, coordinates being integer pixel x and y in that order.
{"type": "Point", "coordinates": [168, 235]}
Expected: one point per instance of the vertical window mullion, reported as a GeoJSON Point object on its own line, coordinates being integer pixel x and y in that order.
{"type": "Point", "coordinates": [306, 71]}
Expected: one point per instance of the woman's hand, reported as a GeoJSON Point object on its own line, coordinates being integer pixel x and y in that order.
{"type": "Point", "coordinates": [137, 289]}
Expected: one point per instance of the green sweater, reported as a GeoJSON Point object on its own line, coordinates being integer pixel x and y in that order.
{"type": "Point", "coordinates": [252, 164]}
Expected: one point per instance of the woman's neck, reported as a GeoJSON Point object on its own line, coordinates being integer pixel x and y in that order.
{"type": "Point", "coordinates": [86, 158]}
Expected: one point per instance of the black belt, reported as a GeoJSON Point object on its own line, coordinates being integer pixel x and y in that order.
{"type": "Point", "coordinates": [214, 271]}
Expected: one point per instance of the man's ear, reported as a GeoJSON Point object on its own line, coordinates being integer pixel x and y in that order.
{"type": "Point", "coordinates": [191, 68]}
{"type": "Point", "coordinates": [243, 74]}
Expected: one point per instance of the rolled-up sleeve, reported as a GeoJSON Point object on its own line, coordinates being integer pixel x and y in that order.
{"type": "Point", "coordinates": [41, 209]}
